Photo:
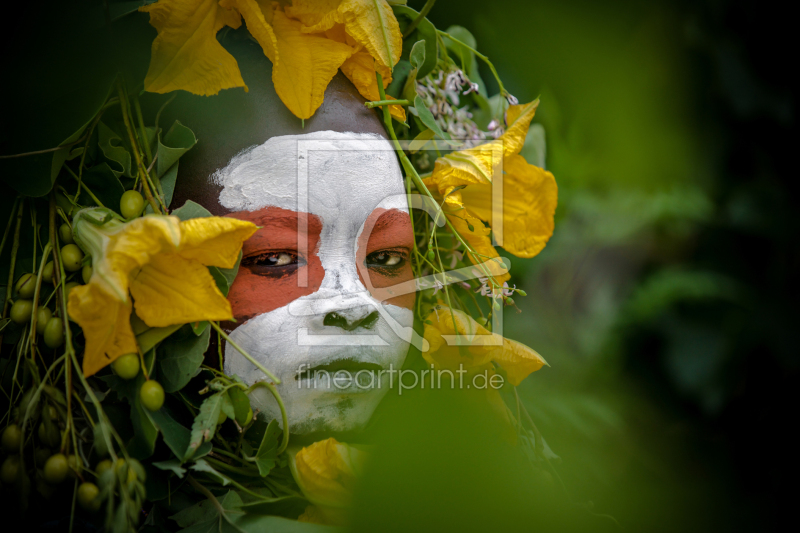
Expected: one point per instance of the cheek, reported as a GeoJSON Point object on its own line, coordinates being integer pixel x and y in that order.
{"type": "Point", "coordinates": [379, 281]}
{"type": "Point", "coordinates": [252, 294]}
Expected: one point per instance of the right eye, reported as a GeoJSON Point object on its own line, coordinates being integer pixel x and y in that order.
{"type": "Point", "coordinates": [270, 260]}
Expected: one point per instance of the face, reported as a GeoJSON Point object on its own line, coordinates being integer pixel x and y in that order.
{"type": "Point", "coordinates": [313, 298]}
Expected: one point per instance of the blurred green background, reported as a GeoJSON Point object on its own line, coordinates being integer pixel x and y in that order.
{"type": "Point", "coordinates": [662, 300]}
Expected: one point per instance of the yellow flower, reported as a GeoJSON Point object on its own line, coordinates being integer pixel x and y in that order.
{"type": "Point", "coordinates": [160, 261]}
{"type": "Point", "coordinates": [484, 347]}
{"type": "Point", "coordinates": [463, 180]}
{"type": "Point", "coordinates": [327, 472]}
{"type": "Point", "coordinates": [306, 44]}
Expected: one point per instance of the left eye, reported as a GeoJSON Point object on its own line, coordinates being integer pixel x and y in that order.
{"type": "Point", "coordinates": [384, 259]}
{"type": "Point", "coordinates": [278, 259]}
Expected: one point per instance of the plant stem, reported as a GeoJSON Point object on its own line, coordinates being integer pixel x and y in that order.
{"type": "Point", "coordinates": [78, 179]}
{"type": "Point", "coordinates": [46, 151]}
{"type": "Point", "coordinates": [148, 154]}
{"type": "Point", "coordinates": [381, 103]}
{"type": "Point", "coordinates": [244, 353]}
{"type": "Point", "coordinates": [422, 14]}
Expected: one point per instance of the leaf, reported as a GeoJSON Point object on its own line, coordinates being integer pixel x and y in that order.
{"type": "Point", "coordinates": [241, 404]}
{"type": "Point", "coordinates": [180, 357]}
{"type": "Point", "coordinates": [104, 184]}
{"type": "Point", "coordinates": [174, 144]}
{"type": "Point", "coordinates": [425, 31]}
{"type": "Point", "coordinates": [203, 514]}
{"type": "Point", "coordinates": [268, 449]}
{"type": "Point", "coordinates": [420, 141]}
{"type": "Point", "coordinates": [202, 466]}
{"type": "Point", "coordinates": [168, 183]}
{"type": "Point", "coordinates": [191, 210]}
{"type": "Point", "coordinates": [426, 117]}
{"type": "Point", "coordinates": [152, 336]}
{"type": "Point", "coordinates": [417, 57]}
{"type": "Point", "coordinates": [171, 465]}
{"type": "Point", "coordinates": [205, 423]}
{"type": "Point", "coordinates": [176, 436]}
{"type": "Point", "coordinates": [114, 150]}
{"type": "Point", "coordinates": [225, 276]}
{"type": "Point", "coordinates": [186, 54]}
{"type": "Point", "coordinates": [277, 524]}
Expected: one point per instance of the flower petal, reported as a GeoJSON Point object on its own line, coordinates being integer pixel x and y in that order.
{"type": "Point", "coordinates": [519, 120]}
{"type": "Point", "coordinates": [517, 360]}
{"type": "Point", "coordinates": [530, 196]}
{"type": "Point", "coordinates": [106, 325]}
{"type": "Point", "coordinates": [371, 23]}
{"type": "Point", "coordinates": [477, 235]}
{"type": "Point", "coordinates": [186, 54]}
{"type": "Point", "coordinates": [258, 16]}
{"type": "Point", "coordinates": [214, 241]}
{"type": "Point", "coordinates": [360, 69]}
{"type": "Point", "coordinates": [307, 64]}
{"type": "Point", "coordinates": [173, 290]}
{"type": "Point", "coordinates": [327, 471]}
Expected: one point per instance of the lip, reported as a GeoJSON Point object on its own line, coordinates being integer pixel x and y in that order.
{"type": "Point", "coordinates": [341, 376]}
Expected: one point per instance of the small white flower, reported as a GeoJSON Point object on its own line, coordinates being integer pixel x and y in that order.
{"type": "Point", "coordinates": [473, 88]}
{"type": "Point", "coordinates": [512, 100]}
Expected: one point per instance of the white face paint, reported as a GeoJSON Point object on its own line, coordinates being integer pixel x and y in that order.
{"type": "Point", "coordinates": [349, 175]}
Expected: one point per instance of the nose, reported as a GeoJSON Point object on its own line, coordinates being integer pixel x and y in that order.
{"type": "Point", "coordinates": [349, 322]}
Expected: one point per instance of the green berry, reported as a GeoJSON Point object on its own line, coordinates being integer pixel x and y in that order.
{"type": "Point", "coordinates": [11, 438]}
{"type": "Point", "coordinates": [126, 366]}
{"type": "Point", "coordinates": [69, 286]}
{"type": "Point", "coordinates": [86, 273]}
{"type": "Point", "coordinates": [41, 455]}
{"type": "Point", "coordinates": [102, 466]}
{"type": "Point", "coordinates": [26, 286]}
{"type": "Point", "coordinates": [43, 316]}
{"type": "Point", "coordinates": [71, 256]}
{"type": "Point", "coordinates": [10, 469]}
{"type": "Point", "coordinates": [54, 333]}
{"type": "Point", "coordinates": [47, 272]}
{"type": "Point", "coordinates": [152, 395]}
{"type": "Point", "coordinates": [56, 469]}
{"type": "Point", "coordinates": [21, 311]}
{"type": "Point", "coordinates": [65, 234]}
{"type": "Point", "coordinates": [49, 434]}
{"type": "Point", "coordinates": [87, 496]}
{"type": "Point", "coordinates": [222, 417]}
{"type": "Point", "coordinates": [131, 204]}
{"type": "Point", "coordinates": [74, 466]}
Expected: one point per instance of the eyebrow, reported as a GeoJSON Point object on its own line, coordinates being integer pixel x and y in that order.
{"type": "Point", "coordinates": [389, 219]}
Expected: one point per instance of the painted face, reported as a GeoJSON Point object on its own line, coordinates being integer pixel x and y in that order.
{"type": "Point", "coordinates": [311, 296]}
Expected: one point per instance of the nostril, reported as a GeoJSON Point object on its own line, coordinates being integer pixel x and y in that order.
{"type": "Point", "coordinates": [339, 321]}
{"type": "Point", "coordinates": [369, 321]}
{"type": "Point", "coordinates": [336, 320]}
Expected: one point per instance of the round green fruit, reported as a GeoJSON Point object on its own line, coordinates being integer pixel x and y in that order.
{"type": "Point", "coordinates": [65, 234]}
{"type": "Point", "coordinates": [54, 333]}
{"type": "Point", "coordinates": [72, 256]}
{"type": "Point", "coordinates": [21, 311]}
{"type": "Point", "coordinates": [26, 286]}
{"type": "Point", "coordinates": [152, 395]}
{"type": "Point", "coordinates": [74, 466]}
{"type": "Point", "coordinates": [86, 273]}
{"type": "Point", "coordinates": [41, 455]}
{"type": "Point", "coordinates": [11, 438]}
{"type": "Point", "coordinates": [87, 496]}
{"type": "Point", "coordinates": [47, 272]}
{"type": "Point", "coordinates": [126, 366]}
{"type": "Point", "coordinates": [222, 417]}
{"type": "Point", "coordinates": [49, 434]}
{"type": "Point", "coordinates": [43, 316]}
{"type": "Point", "coordinates": [102, 466]}
{"type": "Point", "coordinates": [131, 204]}
{"type": "Point", "coordinates": [56, 469]}
{"type": "Point", "coordinates": [10, 469]}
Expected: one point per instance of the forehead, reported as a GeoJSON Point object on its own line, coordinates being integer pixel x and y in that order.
{"type": "Point", "coordinates": [324, 173]}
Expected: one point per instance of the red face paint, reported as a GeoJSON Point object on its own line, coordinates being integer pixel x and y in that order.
{"type": "Point", "coordinates": [261, 286]}
{"type": "Point", "coordinates": [388, 233]}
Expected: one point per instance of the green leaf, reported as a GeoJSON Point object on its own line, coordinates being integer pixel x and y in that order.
{"type": "Point", "coordinates": [113, 148]}
{"type": "Point", "coordinates": [191, 210]}
{"type": "Point", "coordinates": [152, 336]}
{"type": "Point", "coordinates": [178, 140]}
{"type": "Point", "coordinates": [203, 516]}
{"type": "Point", "coordinates": [241, 404]}
{"type": "Point", "coordinates": [202, 466]}
{"type": "Point", "coordinates": [276, 524]}
{"type": "Point", "coordinates": [180, 357]}
{"type": "Point", "coordinates": [104, 184]}
{"type": "Point", "coordinates": [205, 423]}
{"type": "Point", "coordinates": [426, 117]}
{"type": "Point", "coordinates": [268, 449]}
{"type": "Point", "coordinates": [424, 31]}
{"type": "Point", "coordinates": [168, 183]}
{"type": "Point", "coordinates": [224, 276]}
{"type": "Point", "coordinates": [171, 465]}
{"type": "Point", "coordinates": [417, 55]}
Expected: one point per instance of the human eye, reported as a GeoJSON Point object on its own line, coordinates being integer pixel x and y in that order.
{"type": "Point", "coordinates": [268, 262]}
{"type": "Point", "coordinates": [387, 259]}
